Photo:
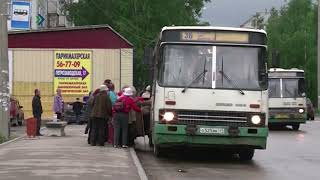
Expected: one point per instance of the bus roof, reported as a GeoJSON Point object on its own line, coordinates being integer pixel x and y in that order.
{"type": "Point", "coordinates": [285, 70]}
{"type": "Point", "coordinates": [211, 28]}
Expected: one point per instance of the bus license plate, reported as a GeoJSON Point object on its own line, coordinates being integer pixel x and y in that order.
{"type": "Point", "coordinates": [212, 131]}
{"type": "Point", "coordinates": [282, 116]}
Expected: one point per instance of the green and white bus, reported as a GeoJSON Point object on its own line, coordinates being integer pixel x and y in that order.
{"type": "Point", "coordinates": [210, 89]}
{"type": "Point", "coordinates": [287, 99]}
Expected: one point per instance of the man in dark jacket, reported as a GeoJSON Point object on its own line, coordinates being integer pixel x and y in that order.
{"type": "Point", "coordinates": [37, 109]}
{"type": "Point", "coordinates": [77, 107]}
{"type": "Point", "coordinates": [101, 113]}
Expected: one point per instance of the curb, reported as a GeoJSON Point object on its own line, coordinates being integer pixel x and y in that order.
{"type": "Point", "coordinates": [11, 141]}
{"type": "Point", "coordinates": [17, 139]}
{"type": "Point", "coordinates": [137, 163]}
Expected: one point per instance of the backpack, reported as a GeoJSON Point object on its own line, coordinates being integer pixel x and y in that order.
{"type": "Point", "coordinates": [119, 105]}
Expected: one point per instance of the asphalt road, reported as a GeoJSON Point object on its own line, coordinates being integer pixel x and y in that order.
{"type": "Point", "coordinates": [290, 155]}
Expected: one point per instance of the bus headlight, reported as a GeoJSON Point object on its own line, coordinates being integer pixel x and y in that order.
{"type": "Point", "coordinates": [255, 119]}
{"type": "Point", "coordinates": [168, 116]}
{"type": "Point", "coordinates": [301, 111]}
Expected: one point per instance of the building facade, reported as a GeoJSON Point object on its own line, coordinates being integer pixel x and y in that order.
{"type": "Point", "coordinates": [33, 61]}
{"type": "Point", "coordinates": [51, 10]}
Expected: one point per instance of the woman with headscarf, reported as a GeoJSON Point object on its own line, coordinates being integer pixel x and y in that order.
{"type": "Point", "coordinates": [122, 108]}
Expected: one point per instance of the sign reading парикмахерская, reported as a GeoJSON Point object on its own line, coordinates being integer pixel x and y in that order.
{"type": "Point", "coordinates": [72, 72]}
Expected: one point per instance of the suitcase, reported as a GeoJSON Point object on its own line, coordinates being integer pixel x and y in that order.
{"type": "Point", "coordinates": [110, 133]}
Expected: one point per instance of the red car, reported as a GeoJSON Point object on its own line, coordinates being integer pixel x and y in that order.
{"type": "Point", "coordinates": [16, 112]}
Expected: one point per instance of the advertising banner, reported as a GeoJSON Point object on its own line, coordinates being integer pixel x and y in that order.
{"type": "Point", "coordinates": [72, 72]}
{"type": "Point", "coordinates": [20, 18]}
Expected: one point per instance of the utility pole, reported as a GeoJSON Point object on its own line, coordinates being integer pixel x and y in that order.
{"type": "Point", "coordinates": [318, 55]}
{"type": "Point", "coordinates": [4, 70]}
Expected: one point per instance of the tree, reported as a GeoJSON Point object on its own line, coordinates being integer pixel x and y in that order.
{"type": "Point", "coordinates": [138, 20]}
{"type": "Point", "coordinates": [292, 31]}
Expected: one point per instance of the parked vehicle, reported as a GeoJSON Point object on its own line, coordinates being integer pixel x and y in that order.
{"type": "Point", "coordinates": [310, 110]}
{"type": "Point", "coordinates": [16, 112]}
{"type": "Point", "coordinates": [70, 116]}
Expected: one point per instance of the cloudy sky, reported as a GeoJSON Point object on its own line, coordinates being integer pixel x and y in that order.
{"type": "Point", "coordinates": [235, 12]}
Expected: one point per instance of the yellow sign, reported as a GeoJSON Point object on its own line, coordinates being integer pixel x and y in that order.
{"type": "Point", "coordinates": [240, 37]}
{"type": "Point", "coordinates": [72, 72]}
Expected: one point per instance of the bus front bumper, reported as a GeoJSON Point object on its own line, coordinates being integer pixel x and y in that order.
{"type": "Point", "coordinates": [285, 121]}
{"type": "Point", "coordinates": [210, 136]}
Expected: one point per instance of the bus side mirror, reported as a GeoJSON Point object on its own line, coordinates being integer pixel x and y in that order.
{"type": "Point", "coordinates": [148, 54]}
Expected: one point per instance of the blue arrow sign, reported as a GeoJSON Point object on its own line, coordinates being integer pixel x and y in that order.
{"type": "Point", "coordinates": [83, 73]}
{"type": "Point", "coordinates": [40, 20]}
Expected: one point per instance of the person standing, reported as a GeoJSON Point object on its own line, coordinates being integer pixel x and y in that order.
{"type": "Point", "coordinates": [101, 113]}
{"type": "Point", "coordinates": [88, 115]}
{"type": "Point", "coordinates": [58, 104]}
{"type": "Point", "coordinates": [37, 109]}
{"type": "Point", "coordinates": [112, 94]}
{"type": "Point", "coordinates": [77, 107]}
{"type": "Point", "coordinates": [122, 108]}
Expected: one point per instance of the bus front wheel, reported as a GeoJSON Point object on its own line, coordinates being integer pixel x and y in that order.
{"type": "Point", "coordinates": [296, 127]}
{"type": "Point", "coordinates": [246, 154]}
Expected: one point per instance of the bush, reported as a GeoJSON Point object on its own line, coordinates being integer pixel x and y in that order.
{"type": "Point", "coordinates": [2, 139]}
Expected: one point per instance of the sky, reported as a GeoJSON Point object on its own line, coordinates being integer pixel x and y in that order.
{"type": "Point", "coordinates": [233, 13]}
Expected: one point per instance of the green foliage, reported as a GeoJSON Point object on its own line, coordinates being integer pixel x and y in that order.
{"type": "Point", "coordinates": [293, 31]}
{"type": "Point", "coordinates": [140, 21]}
{"type": "Point", "coordinates": [2, 139]}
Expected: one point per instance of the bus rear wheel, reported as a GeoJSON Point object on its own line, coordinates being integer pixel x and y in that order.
{"type": "Point", "coordinates": [296, 127]}
{"type": "Point", "coordinates": [246, 154]}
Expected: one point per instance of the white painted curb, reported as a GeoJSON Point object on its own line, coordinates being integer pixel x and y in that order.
{"type": "Point", "coordinates": [141, 172]}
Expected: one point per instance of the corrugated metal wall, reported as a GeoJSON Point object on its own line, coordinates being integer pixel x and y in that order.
{"type": "Point", "coordinates": [126, 67]}
{"type": "Point", "coordinates": [33, 68]}
{"type": "Point", "coordinates": [106, 66]}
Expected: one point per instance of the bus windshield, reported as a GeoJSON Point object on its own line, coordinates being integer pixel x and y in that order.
{"type": "Point", "coordinates": [291, 88]}
{"type": "Point", "coordinates": [205, 66]}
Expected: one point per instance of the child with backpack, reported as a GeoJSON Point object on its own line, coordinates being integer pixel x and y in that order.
{"type": "Point", "coordinates": [121, 108]}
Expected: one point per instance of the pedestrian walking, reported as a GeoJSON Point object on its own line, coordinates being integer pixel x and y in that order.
{"type": "Point", "coordinates": [101, 113]}
{"type": "Point", "coordinates": [58, 104]}
{"type": "Point", "coordinates": [122, 108]}
{"type": "Point", "coordinates": [37, 109]}
{"type": "Point", "coordinates": [77, 107]}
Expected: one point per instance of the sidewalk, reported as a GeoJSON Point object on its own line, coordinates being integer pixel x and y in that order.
{"type": "Point", "coordinates": [67, 157]}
